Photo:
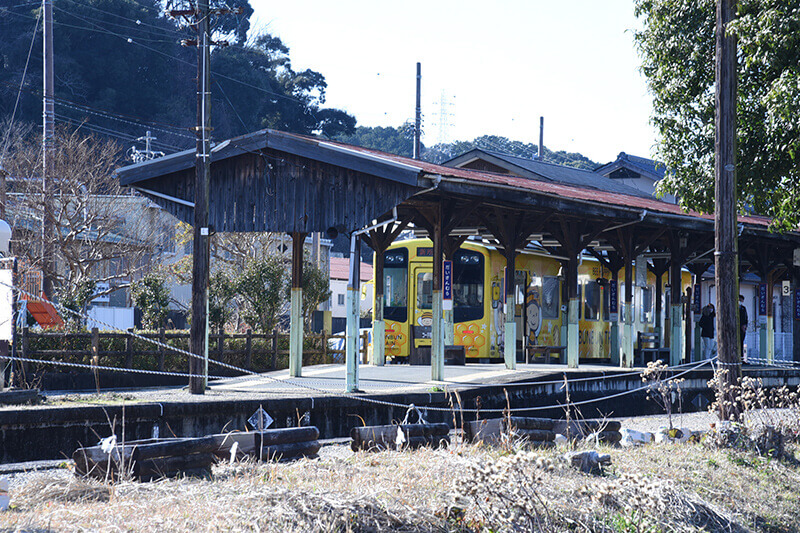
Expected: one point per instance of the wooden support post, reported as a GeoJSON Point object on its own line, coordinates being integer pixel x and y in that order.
{"type": "Point", "coordinates": [659, 324]}
{"type": "Point", "coordinates": [129, 349]}
{"type": "Point", "coordinates": [614, 340]}
{"type": "Point", "coordinates": [248, 350]}
{"type": "Point", "coordinates": [296, 313]}
{"type": "Point", "coordinates": [352, 308]}
{"type": "Point", "coordinates": [510, 331]}
{"type": "Point", "coordinates": [95, 346]}
{"type": "Point", "coordinates": [626, 346]}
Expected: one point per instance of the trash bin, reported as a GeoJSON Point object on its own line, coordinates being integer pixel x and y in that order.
{"type": "Point", "coordinates": [454, 354]}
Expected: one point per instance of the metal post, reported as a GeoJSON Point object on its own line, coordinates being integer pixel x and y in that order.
{"type": "Point", "coordinates": [418, 115]}
{"type": "Point", "coordinates": [351, 337]}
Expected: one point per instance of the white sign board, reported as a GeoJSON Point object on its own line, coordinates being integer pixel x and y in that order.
{"type": "Point", "coordinates": [786, 288]}
{"type": "Point", "coordinates": [6, 305]}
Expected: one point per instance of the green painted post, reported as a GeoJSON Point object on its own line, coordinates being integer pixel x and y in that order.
{"type": "Point", "coordinates": [573, 347]}
{"type": "Point", "coordinates": [510, 332]}
{"type": "Point", "coordinates": [378, 333]}
{"type": "Point", "coordinates": [437, 338]}
{"type": "Point", "coordinates": [352, 308]}
{"type": "Point", "coordinates": [676, 339]}
{"type": "Point", "coordinates": [296, 334]}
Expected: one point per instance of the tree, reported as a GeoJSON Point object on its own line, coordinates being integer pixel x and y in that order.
{"type": "Point", "coordinates": [316, 289]}
{"type": "Point", "coordinates": [261, 287]}
{"type": "Point", "coordinates": [151, 296]}
{"type": "Point", "coordinates": [100, 233]}
{"type": "Point", "coordinates": [677, 49]}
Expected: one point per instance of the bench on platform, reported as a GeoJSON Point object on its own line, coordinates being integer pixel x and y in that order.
{"type": "Point", "coordinates": [547, 351]}
{"type": "Point", "coordinates": [648, 348]}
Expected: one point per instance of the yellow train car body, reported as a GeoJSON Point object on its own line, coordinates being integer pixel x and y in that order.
{"type": "Point", "coordinates": [478, 307]}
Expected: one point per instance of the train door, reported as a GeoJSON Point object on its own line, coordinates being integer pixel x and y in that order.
{"type": "Point", "coordinates": [422, 317]}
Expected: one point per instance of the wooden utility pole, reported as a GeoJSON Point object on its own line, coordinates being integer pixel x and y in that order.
{"type": "Point", "coordinates": [202, 233]}
{"type": "Point", "coordinates": [418, 114]}
{"type": "Point", "coordinates": [48, 136]}
{"type": "Point", "coordinates": [726, 256]}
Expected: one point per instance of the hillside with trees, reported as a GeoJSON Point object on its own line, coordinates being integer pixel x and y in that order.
{"type": "Point", "coordinates": [400, 141]}
{"type": "Point", "coordinates": [120, 70]}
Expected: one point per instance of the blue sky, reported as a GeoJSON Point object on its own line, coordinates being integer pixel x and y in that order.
{"type": "Point", "coordinates": [499, 65]}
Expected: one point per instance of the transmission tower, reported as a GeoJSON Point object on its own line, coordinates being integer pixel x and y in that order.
{"type": "Point", "coordinates": [445, 117]}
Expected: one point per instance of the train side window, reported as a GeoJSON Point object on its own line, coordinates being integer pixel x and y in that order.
{"type": "Point", "coordinates": [647, 304]}
{"type": "Point", "coordinates": [395, 289]}
{"type": "Point", "coordinates": [424, 290]}
{"type": "Point", "coordinates": [591, 300]}
{"type": "Point", "coordinates": [551, 298]}
{"type": "Point", "coordinates": [468, 280]}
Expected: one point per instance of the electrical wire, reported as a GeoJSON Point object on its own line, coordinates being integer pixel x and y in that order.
{"type": "Point", "coordinates": [19, 91]}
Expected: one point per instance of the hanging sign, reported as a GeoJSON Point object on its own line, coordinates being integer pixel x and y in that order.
{"type": "Point", "coordinates": [696, 298]}
{"type": "Point", "coordinates": [786, 288]}
{"type": "Point", "coordinates": [762, 299]}
{"type": "Point", "coordinates": [447, 285]}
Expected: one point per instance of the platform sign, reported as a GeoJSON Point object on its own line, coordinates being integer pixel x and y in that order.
{"type": "Point", "coordinates": [260, 420]}
{"type": "Point", "coordinates": [696, 298]}
{"type": "Point", "coordinates": [786, 288]}
{"type": "Point", "coordinates": [762, 299]}
{"type": "Point", "coordinates": [447, 285]}
{"type": "Point", "coordinates": [613, 307]}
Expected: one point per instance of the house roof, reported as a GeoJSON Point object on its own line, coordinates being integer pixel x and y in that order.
{"type": "Point", "coordinates": [340, 269]}
{"type": "Point", "coordinates": [641, 165]}
{"type": "Point", "coordinates": [544, 171]}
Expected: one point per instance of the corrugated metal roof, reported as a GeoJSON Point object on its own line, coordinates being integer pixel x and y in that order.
{"type": "Point", "coordinates": [570, 192]}
{"type": "Point", "coordinates": [564, 174]}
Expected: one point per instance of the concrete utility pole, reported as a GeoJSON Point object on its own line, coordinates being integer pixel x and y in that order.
{"type": "Point", "coordinates": [726, 256]}
{"type": "Point", "coordinates": [418, 114]}
{"type": "Point", "coordinates": [48, 135]}
{"type": "Point", "coordinates": [541, 138]}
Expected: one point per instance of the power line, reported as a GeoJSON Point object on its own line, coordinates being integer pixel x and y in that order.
{"type": "Point", "coordinates": [19, 92]}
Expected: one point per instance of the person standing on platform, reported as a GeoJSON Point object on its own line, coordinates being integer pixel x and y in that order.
{"type": "Point", "coordinates": [742, 326]}
{"type": "Point", "coordinates": [706, 325]}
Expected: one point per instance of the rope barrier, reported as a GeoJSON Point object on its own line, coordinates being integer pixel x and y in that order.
{"type": "Point", "coordinates": [249, 375]}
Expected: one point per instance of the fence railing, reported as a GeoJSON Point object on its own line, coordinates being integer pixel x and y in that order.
{"type": "Point", "coordinates": [257, 352]}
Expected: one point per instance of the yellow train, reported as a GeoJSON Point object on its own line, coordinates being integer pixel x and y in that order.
{"type": "Point", "coordinates": [477, 306]}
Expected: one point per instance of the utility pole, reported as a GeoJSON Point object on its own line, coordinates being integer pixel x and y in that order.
{"type": "Point", "coordinates": [48, 136]}
{"type": "Point", "coordinates": [541, 139]}
{"type": "Point", "coordinates": [725, 236]}
{"type": "Point", "coordinates": [198, 369]}
{"type": "Point", "coordinates": [418, 114]}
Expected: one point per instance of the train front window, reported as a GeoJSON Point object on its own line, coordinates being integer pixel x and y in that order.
{"type": "Point", "coordinates": [395, 287]}
{"type": "Point", "coordinates": [424, 290]}
{"type": "Point", "coordinates": [591, 300]}
{"type": "Point", "coordinates": [467, 286]}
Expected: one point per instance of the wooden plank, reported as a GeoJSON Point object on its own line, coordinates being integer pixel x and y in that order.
{"type": "Point", "coordinates": [279, 452]}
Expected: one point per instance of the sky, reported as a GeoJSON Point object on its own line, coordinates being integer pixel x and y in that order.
{"type": "Point", "coordinates": [499, 65]}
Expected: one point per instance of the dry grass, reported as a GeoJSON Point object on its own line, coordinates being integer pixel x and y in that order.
{"type": "Point", "coordinates": [465, 488]}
